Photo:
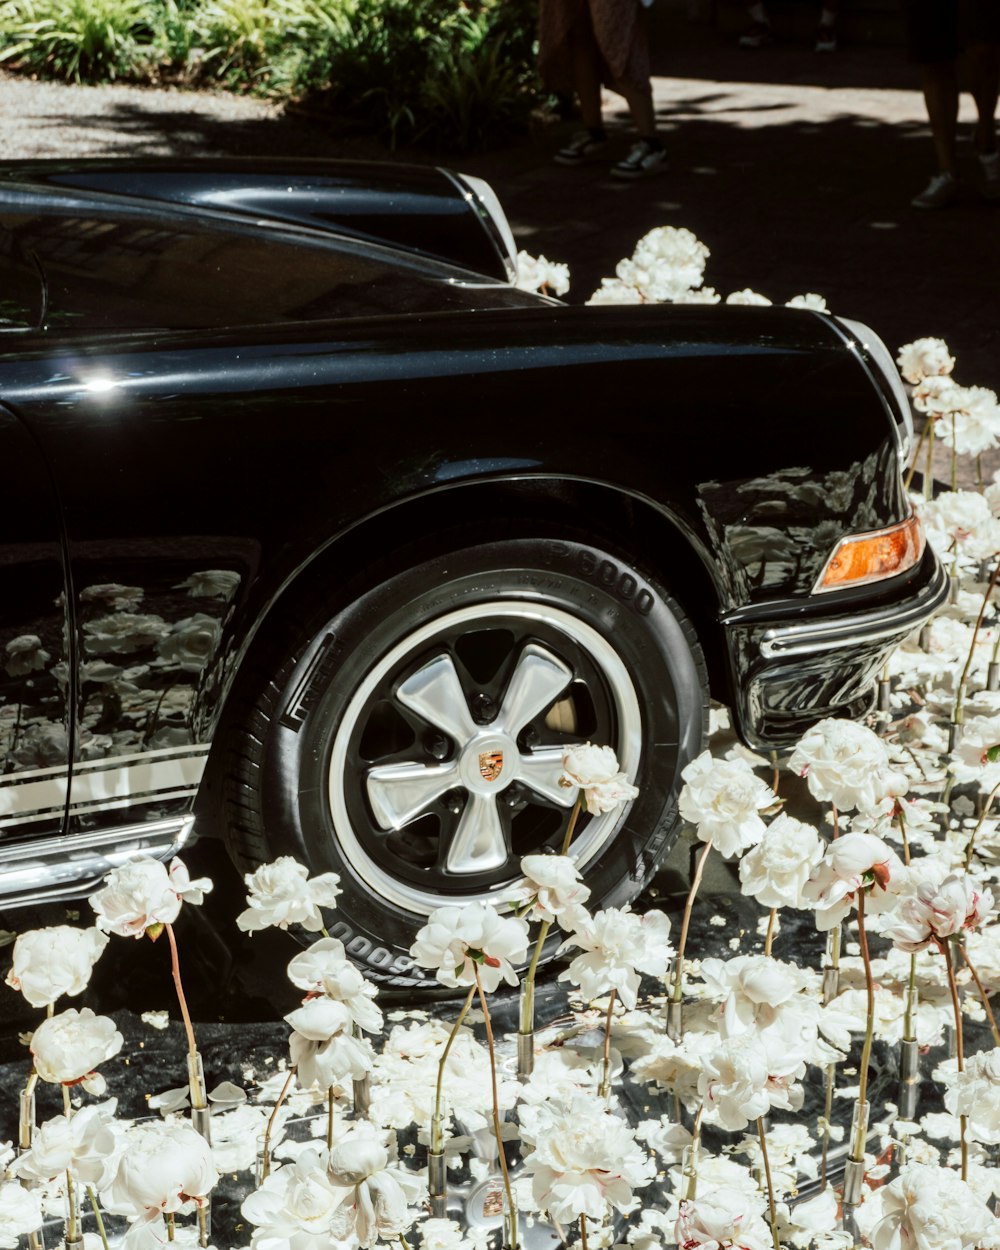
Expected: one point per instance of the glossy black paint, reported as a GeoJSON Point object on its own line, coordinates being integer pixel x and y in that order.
{"type": "Point", "coordinates": [208, 466]}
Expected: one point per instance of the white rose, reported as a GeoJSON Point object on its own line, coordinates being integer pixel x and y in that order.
{"type": "Point", "coordinates": [20, 1213]}
{"type": "Point", "coordinates": [136, 897]}
{"type": "Point", "coordinates": [617, 946]}
{"type": "Point", "coordinates": [68, 1047]}
{"type": "Point", "coordinates": [456, 941]}
{"type": "Point", "coordinates": [163, 1167]}
{"type": "Point", "coordinates": [55, 961]}
{"type": "Point", "coordinates": [280, 894]}
{"type": "Point", "coordinates": [923, 357]}
{"type": "Point", "coordinates": [724, 800]}
{"type": "Point", "coordinates": [776, 870]}
{"type": "Point", "coordinates": [554, 883]}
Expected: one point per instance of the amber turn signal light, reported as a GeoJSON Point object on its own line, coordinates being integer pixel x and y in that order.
{"type": "Point", "coordinates": [870, 557]}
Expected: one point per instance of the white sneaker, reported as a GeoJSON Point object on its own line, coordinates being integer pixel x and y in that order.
{"type": "Point", "coordinates": [941, 191]}
{"type": "Point", "coordinates": [581, 149]}
{"type": "Point", "coordinates": [645, 158]}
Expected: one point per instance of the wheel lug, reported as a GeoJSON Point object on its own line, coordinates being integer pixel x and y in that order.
{"type": "Point", "coordinates": [512, 796]}
{"type": "Point", "coordinates": [454, 801]}
{"type": "Point", "coordinates": [483, 708]}
{"type": "Point", "coordinates": [528, 738]}
{"type": "Point", "coordinates": [437, 746]}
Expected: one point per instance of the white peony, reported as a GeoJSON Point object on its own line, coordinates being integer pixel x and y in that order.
{"type": "Point", "coordinates": [68, 1047]}
{"type": "Point", "coordinates": [853, 863]}
{"type": "Point", "coordinates": [724, 799]}
{"type": "Point", "coordinates": [456, 941]}
{"type": "Point", "coordinates": [940, 907]}
{"type": "Point", "coordinates": [163, 1167]}
{"type": "Point", "coordinates": [55, 961]}
{"type": "Point", "coordinates": [775, 871]}
{"type": "Point", "coordinates": [971, 422]}
{"type": "Point", "coordinates": [960, 523]}
{"type": "Point", "coordinates": [376, 1194]}
{"type": "Point", "coordinates": [931, 1208]}
{"type": "Point", "coordinates": [746, 296]}
{"type": "Point", "coordinates": [281, 894]}
{"type": "Point", "coordinates": [617, 946]}
{"type": "Point", "coordinates": [294, 1206]}
{"type": "Point", "coordinates": [742, 1078]}
{"type": "Point", "coordinates": [975, 1093]}
{"type": "Point", "coordinates": [324, 968]}
{"type": "Point", "coordinates": [323, 1047]}
{"type": "Point", "coordinates": [142, 895]}
{"type": "Point", "coordinates": [583, 1160]}
{"type": "Point", "coordinates": [20, 1213]}
{"type": "Point", "coordinates": [924, 357]}
{"type": "Point", "coordinates": [552, 884]}
{"type": "Point", "coordinates": [596, 771]}
{"type": "Point", "coordinates": [844, 764]}
{"type": "Point", "coordinates": [676, 249]}
{"type": "Point", "coordinates": [816, 303]}
{"type": "Point", "coordinates": [614, 291]}
{"type": "Point", "coordinates": [535, 273]}
{"type": "Point", "coordinates": [81, 1145]}
{"type": "Point", "coordinates": [724, 1219]}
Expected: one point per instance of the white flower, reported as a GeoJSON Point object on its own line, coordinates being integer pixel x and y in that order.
{"type": "Point", "coordinates": [294, 1207]}
{"type": "Point", "coordinates": [852, 863]}
{"type": "Point", "coordinates": [961, 523]}
{"type": "Point", "coordinates": [975, 1093]}
{"type": "Point", "coordinates": [456, 941]}
{"type": "Point", "coordinates": [375, 1202]}
{"type": "Point", "coordinates": [142, 895]}
{"type": "Point", "coordinates": [812, 301]}
{"type": "Point", "coordinates": [725, 1219]}
{"type": "Point", "coordinates": [163, 1167]}
{"type": "Point", "coordinates": [931, 1208]}
{"type": "Point", "coordinates": [191, 643]}
{"type": "Point", "coordinates": [211, 584]}
{"type": "Point", "coordinates": [614, 291]}
{"type": "Point", "coordinates": [703, 295]}
{"type": "Point", "coordinates": [971, 423]}
{"type": "Point", "coordinates": [552, 883]}
{"type": "Point", "coordinates": [924, 357]}
{"type": "Point", "coordinates": [734, 1080]}
{"type": "Point", "coordinates": [323, 1047]}
{"type": "Point", "coordinates": [844, 763]}
{"type": "Point", "coordinates": [535, 273]}
{"type": "Point", "coordinates": [746, 296]}
{"type": "Point", "coordinates": [724, 799]}
{"type": "Point", "coordinates": [81, 1145]}
{"type": "Point", "coordinates": [595, 770]}
{"type": "Point", "coordinates": [51, 962]}
{"type": "Point", "coordinates": [938, 909]}
{"type": "Point", "coordinates": [775, 871]}
{"type": "Point", "coordinates": [26, 655]}
{"type": "Point", "coordinates": [582, 1159]}
{"type": "Point", "coordinates": [676, 250]}
{"type": "Point", "coordinates": [617, 946]}
{"type": "Point", "coordinates": [324, 968]}
{"type": "Point", "coordinates": [68, 1047]}
{"type": "Point", "coordinates": [932, 395]}
{"type": "Point", "coordinates": [20, 1213]}
{"type": "Point", "coordinates": [280, 894]}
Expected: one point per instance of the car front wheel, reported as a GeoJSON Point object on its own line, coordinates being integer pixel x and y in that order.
{"type": "Point", "coordinates": [413, 741]}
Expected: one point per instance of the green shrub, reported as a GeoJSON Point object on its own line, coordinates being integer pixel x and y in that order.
{"type": "Point", "coordinates": [242, 42]}
{"type": "Point", "coordinates": [78, 40]}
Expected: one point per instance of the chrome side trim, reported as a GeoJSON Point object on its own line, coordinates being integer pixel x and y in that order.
{"type": "Point", "coordinates": [864, 627]}
{"type": "Point", "coordinates": [74, 865]}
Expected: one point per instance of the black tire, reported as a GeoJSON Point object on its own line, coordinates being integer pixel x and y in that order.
{"type": "Point", "coordinates": [301, 779]}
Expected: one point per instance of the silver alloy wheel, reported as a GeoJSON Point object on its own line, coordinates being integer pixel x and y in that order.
{"type": "Point", "coordinates": [485, 758]}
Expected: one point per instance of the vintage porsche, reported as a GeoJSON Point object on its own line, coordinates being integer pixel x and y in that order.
{"type": "Point", "coordinates": [321, 537]}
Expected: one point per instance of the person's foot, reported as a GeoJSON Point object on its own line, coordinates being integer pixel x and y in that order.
{"type": "Point", "coordinates": [941, 191]}
{"type": "Point", "coordinates": [988, 180]}
{"type": "Point", "coordinates": [760, 35]}
{"type": "Point", "coordinates": [584, 147]}
{"type": "Point", "coordinates": [648, 156]}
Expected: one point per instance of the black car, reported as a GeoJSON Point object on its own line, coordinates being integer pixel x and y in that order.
{"type": "Point", "coordinates": [321, 535]}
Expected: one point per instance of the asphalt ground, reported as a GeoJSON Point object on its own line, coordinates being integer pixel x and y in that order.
{"type": "Point", "coordinates": [795, 168]}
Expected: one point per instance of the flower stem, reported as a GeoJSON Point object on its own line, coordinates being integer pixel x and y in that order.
{"type": "Point", "coordinates": [916, 456]}
{"type": "Point", "coordinates": [72, 1229]}
{"type": "Point", "coordinates": [606, 1069]}
{"type": "Point", "coordinates": [437, 1144]}
{"type": "Point", "coordinates": [982, 994]}
{"type": "Point", "coordinates": [26, 1119]}
{"type": "Point", "coordinates": [574, 816]}
{"type": "Point", "coordinates": [858, 1147]}
{"type": "Point", "coordinates": [929, 471]}
{"type": "Point", "coordinates": [954, 455]}
{"type": "Point", "coordinates": [909, 1033]}
{"type": "Point", "coordinates": [986, 811]}
{"type": "Point", "coordinates": [583, 1230]}
{"type": "Point", "coordinates": [197, 1094]}
{"type": "Point", "coordinates": [699, 869]}
{"type": "Point", "coordinates": [512, 1209]}
{"type": "Point", "coordinates": [266, 1161]}
{"type": "Point", "coordinates": [772, 922]}
{"type": "Point", "coordinates": [762, 1138]}
{"type": "Point", "coordinates": [170, 1225]}
{"type": "Point", "coordinates": [959, 1046]}
{"type": "Point", "coordinates": [694, 1150]}
{"type": "Point", "coordinates": [960, 695]}
{"type": "Point", "coordinates": [527, 1021]}
{"type": "Point", "coordinates": [98, 1218]}
{"type": "Point", "coordinates": [829, 1080]}
{"type": "Point", "coordinates": [329, 1118]}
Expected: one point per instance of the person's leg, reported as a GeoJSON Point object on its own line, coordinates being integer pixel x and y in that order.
{"type": "Point", "coordinates": [984, 74]}
{"type": "Point", "coordinates": [939, 80]}
{"type": "Point", "coordinates": [639, 98]}
{"type": "Point", "coordinates": [586, 61]}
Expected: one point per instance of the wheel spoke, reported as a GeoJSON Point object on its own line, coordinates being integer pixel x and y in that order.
{"type": "Point", "coordinates": [540, 771]}
{"type": "Point", "coordinates": [479, 843]}
{"type": "Point", "coordinates": [400, 792]}
{"type": "Point", "coordinates": [536, 683]}
{"type": "Point", "coordinates": [435, 693]}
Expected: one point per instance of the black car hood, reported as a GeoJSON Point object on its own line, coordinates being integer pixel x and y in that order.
{"type": "Point", "coordinates": [118, 266]}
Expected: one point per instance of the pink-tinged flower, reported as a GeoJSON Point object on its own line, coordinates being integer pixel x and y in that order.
{"type": "Point", "coordinates": [853, 863]}
{"type": "Point", "coordinates": [142, 896]}
{"type": "Point", "coordinates": [552, 884]}
{"type": "Point", "coordinates": [583, 1160]}
{"type": "Point", "coordinates": [726, 1219]}
{"type": "Point", "coordinates": [975, 1093]}
{"type": "Point", "coordinates": [724, 799]}
{"type": "Point", "coordinates": [163, 1167]}
{"type": "Point", "coordinates": [617, 946]}
{"type": "Point", "coordinates": [734, 1080]}
{"type": "Point", "coordinates": [55, 961]}
{"type": "Point", "coordinates": [927, 357]}
{"type": "Point", "coordinates": [938, 910]}
{"type": "Point", "coordinates": [845, 764]}
{"type": "Point", "coordinates": [281, 894]}
{"type": "Point", "coordinates": [456, 941]}
{"type": "Point", "coordinates": [68, 1047]}
{"type": "Point", "coordinates": [931, 1208]}
{"type": "Point", "coordinates": [775, 871]}
{"type": "Point", "coordinates": [596, 771]}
